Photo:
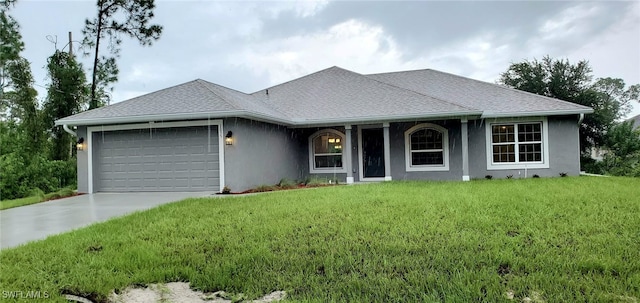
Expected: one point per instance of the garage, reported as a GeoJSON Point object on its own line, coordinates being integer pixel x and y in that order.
{"type": "Point", "coordinates": [157, 159]}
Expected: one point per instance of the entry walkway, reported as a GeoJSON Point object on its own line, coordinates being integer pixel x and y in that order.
{"type": "Point", "coordinates": [37, 221]}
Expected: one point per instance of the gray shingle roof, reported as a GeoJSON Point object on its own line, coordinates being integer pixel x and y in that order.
{"type": "Point", "coordinates": [194, 99]}
{"type": "Point", "coordinates": [339, 94]}
{"type": "Point", "coordinates": [636, 121]}
{"type": "Point", "coordinates": [333, 95]}
{"type": "Point", "coordinates": [491, 99]}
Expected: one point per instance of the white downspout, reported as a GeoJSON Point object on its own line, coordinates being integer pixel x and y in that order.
{"type": "Point", "coordinates": [581, 118]}
{"type": "Point", "coordinates": [67, 129]}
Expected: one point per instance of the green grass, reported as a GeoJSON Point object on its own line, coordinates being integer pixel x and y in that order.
{"type": "Point", "coordinates": [5, 204]}
{"type": "Point", "coordinates": [37, 197]}
{"type": "Point", "coordinates": [562, 239]}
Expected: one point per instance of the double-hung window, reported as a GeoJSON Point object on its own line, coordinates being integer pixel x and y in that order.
{"type": "Point", "coordinates": [517, 145]}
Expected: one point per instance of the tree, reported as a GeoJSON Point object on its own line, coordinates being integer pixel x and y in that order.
{"type": "Point", "coordinates": [66, 95]}
{"type": "Point", "coordinates": [573, 82]}
{"type": "Point", "coordinates": [116, 18]}
{"type": "Point", "coordinates": [623, 150]}
{"type": "Point", "coordinates": [10, 47]}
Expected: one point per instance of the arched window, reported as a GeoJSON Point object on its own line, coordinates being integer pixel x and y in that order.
{"type": "Point", "coordinates": [427, 148]}
{"type": "Point", "coordinates": [325, 151]}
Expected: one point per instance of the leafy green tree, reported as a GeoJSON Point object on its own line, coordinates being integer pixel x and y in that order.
{"type": "Point", "coordinates": [623, 150]}
{"type": "Point", "coordinates": [114, 19]}
{"type": "Point", "coordinates": [66, 95]}
{"type": "Point", "coordinates": [573, 82]}
{"type": "Point", "coordinates": [10, 47]}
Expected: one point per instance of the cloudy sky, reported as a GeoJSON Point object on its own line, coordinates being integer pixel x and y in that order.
{"type": "Point", "coordinates": [251, 45]}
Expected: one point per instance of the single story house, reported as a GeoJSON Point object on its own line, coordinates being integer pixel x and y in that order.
{"type": "Point", "coordinates": [420, 124]}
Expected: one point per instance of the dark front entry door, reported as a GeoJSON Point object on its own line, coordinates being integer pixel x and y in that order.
{"type": "Point", "coordinates": [372, 153]}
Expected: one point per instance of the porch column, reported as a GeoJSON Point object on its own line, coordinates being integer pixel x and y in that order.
{"type": "Point", "coordinates": [387, 152]}
{"type": "Point", "coordinates": [465, 149]}
{"type": "Point", "coordinates": [347, 154]}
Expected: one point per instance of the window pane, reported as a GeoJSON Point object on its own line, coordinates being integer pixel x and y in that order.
{"type": "Point", "coordinates": [426, 139]}
{"type": "Point", "coordinates": [529, 132]}
{"type": "Point", "coordinates": [328, 161]}
{"type": "Point", "coordinates": [530, 152]}
{"type": "Point", "coordinates": [327, 143]}
{"type": "Point", "coordinates": [427, 158]}
{"type": "Point", "coordinates": [503, 133]}
{"type": "Point", "coordinates": [504, 153]}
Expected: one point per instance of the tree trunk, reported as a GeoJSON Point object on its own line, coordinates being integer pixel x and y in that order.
{"type": "Point", "coordinates": [94, 102]}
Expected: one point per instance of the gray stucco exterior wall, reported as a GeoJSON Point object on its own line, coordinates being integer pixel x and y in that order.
{"type": "Point", "coordinates": [564, 150]}
{"type": "Point", "coordinates": [301, 137]}
{"type": "Point", "coordinates": [83, 162]}
{"type": "Point", "coordinates": [398, 166]}
{"type": "Point", "coordinates": [261, 154]}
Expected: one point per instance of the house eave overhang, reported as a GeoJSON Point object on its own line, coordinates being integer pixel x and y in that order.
{"type": "Point", "coordinates": [174, 117]}
{"type": "Point", "coordinates": [486, 114]}
{"type": "Point", "coordinates": [384, 118]}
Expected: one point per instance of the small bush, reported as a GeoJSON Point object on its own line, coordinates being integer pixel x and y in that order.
{"type": "Point", "coordinates": [226, 190]}
{"type": "Point", "coordinates": [488, 177]}
{"type": "Point", "coordinates": [287, 183]}
{"type": "Point", "coordinates": [536, 176]}
{"type": "Point", "coordinates": [563, 174]}
{"type": "Point", "coordinates": [509, 176]}
{"type": "Point", "coordinates": [36, 192]}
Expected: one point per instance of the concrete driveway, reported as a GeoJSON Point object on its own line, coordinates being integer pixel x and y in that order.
{"type": "Point", "coordinates": [34, 222]}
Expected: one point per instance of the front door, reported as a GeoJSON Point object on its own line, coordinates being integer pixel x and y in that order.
{"type": "Point", "coordinates": [372, 153]}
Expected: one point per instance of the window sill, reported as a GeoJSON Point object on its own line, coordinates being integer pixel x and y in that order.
{"type": "Point", "coordinates": [517, 166]}
{"type": "Point", "coordinates": [327, 171]}
{"type": "Point", "coordinates": [426, 168]}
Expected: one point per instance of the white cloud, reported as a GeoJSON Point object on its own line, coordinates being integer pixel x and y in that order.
{"type": "Point", "coordinates": [146, 72]}
{"type": "Point", "coordinates": [352, 44]}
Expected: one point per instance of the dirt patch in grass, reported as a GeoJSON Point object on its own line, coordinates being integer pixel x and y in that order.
{"type": "Point", "coordinates": [181, 292]}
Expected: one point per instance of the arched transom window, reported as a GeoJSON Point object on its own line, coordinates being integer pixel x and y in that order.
{"type": "Point", "coordinates": [427, 148]}
{"type": "Point", "coordinates": [326, 151]}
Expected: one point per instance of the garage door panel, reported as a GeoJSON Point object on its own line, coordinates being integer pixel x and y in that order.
{"type": "Point", "coordinates": [158, 160]}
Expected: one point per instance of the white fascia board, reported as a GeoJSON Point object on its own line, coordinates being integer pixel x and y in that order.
{"type": "Point", "coordinates": [173, 117]}
{"type": "Point", "coordinates": [537, 113]}
{"type": "Point", "coordinates": [381, 119]}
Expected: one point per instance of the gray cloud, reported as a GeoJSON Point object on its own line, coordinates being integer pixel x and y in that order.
{"type": "Point", "coordinates": [249, 45]}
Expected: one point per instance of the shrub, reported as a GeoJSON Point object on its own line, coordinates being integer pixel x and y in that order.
{"type": "Point", "coordinates": [287, 183]}
{"type": "Point", "coordinates": [19, 176]}
{"type": "Point", "coordinates": [488, 177]}
{"type": "Point", "coordinates": [536, 176]}
{"type": "Point", "coordinates": [226, 190]}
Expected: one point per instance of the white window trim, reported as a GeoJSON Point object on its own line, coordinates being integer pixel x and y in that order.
{"type": "Point", "coordinates": [328, 170]}
{"type": "Point", "coordinates": [103, 128]}
{"type": "Point", "coordinates": [522, 165]}
{"type": "Point", "coordinates": [445, 148]}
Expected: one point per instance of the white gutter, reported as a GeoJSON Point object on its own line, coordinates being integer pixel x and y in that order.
{"type": "Point", "coordinates": [67, 129]}
{"type": "Point", "coordinates": [173, 117]}
{"type": "Point", "coordinates": [537, 113]}
{"type": "Point", "coordinates": [377, 119]}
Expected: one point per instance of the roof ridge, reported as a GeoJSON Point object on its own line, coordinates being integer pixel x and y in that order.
{"type": "Point", "coordinates": [236, 104]}
{"type": "Point", "coordinates": [233, 104]}
{"type": "Point", "coordinates": [419, 93]}
{"type": "Point", "coordinates": [295, 79]}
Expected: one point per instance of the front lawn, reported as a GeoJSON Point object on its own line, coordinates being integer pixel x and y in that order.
{"type": "Point", "coordinates": [556, 240]}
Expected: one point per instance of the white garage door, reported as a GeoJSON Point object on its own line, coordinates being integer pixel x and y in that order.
{"type": "Point", "coordinates": [159, 159]}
